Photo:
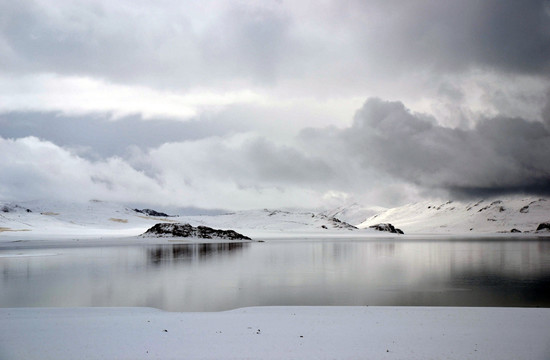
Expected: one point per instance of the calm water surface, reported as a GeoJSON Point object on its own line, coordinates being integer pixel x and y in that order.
{"type": "Point", "coordinates": [216, 277]}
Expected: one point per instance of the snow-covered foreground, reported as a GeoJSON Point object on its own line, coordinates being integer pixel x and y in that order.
{"type": "Point", "coordinates": [276, 333]}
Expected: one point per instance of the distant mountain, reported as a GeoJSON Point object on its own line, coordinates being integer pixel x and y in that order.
{"type": "Point", "coordinates": [456, 217]}
{"type": "Point", "coordinates": [47, 219]}
{"type": "Point", "coordinates": [270, 222]}
{"type": "Point", "coordinates": [353, 214]}
{"type": "Point", "coordinates": [40, 219]}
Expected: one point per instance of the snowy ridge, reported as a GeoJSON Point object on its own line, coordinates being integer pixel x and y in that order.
{"type": "Point", "coordinates": [260, 223]}
{"type": "Point", "coordinates": [458, 217]}
{"type": "Point", "coordinates": [36, 219]}
{"type": "Point", "coordinates": [94, 218]}
{"type": "Point", "coordinates": [354, 213]}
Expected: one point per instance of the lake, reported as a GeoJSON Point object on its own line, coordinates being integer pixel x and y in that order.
{"type": "Point", "coordinates": [213, 277]}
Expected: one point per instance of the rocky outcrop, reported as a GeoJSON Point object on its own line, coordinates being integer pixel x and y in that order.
{"type": "Point", "coordinates": [151, 212]}
{"type": "Point", "coordinates": [524, 210]}
{"type": "Point", "coordinates": [10, 208]}
{"type": "Point", "coordinates": [386, 227]}
{"type": "Point", "coordinates": [188, 231]}
{"type": "Point", "coordinates": [544, 227]}
{"type": "Point", "coordinates": [335, 223]}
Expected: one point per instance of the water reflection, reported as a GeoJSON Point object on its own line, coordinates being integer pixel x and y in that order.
{"type": "Point", "coordinates": [210, 277]}
{"type": "Point", "coordinates": [190, 252]}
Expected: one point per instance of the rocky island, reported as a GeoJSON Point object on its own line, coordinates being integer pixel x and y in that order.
{"type": "Point", "coordinates": [188, 231]}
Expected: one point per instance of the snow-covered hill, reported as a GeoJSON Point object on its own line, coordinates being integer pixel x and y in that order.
{"type": "Point", "coordinates": [456, 217]}
{"type": "Point", "coordinates": [34, 220]}
{"type": "Point", "coordinates": [47, 220]}
{"type": "Point", "coordinates": [259, 223]}
{"type": "Point", "coordinates": [354, 213]}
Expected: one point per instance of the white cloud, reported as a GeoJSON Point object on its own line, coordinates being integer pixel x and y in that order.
{"type": "Point", "coordinates": [211, 173]}
{"type": "Point", "coordinates": [84, 95]}
{"type": "Point", "coordinates": [32, 168]}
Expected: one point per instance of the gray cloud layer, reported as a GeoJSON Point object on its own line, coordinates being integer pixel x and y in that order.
{"type": "Point", "coordinates": [484, 64]}
{"type": "Point", "coordinates": [164, 44]}
{"type": "Point", "coordinates": [98, 136]}
{"type": "Point", "coordinates": [447, 36]}
{"type": "Point", "coordinates": [386, 145]}
{"type": "Point", "coordinates": [498, 155]}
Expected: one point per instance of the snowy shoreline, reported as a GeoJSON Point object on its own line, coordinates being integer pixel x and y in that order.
{"type": "Point", "coordinates": [275, 333]}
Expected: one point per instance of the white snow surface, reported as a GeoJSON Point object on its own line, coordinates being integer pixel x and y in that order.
{"type": "Point", "coordinates": [493, 216]}
{"type": "Point", "coordinates": [354, 213]}
{"type": "Point", "coordinates": [98, 219]}
{"type": "Point", "coordinates": [276, 333]}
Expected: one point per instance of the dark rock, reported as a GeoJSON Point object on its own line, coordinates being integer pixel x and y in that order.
{"type": "Point", "coordinates": [186, 230]}
{"type": "Point", "coordinates": [337, 223]}
{"type": "Point", "coordinates": [514, 230]}
{"type": "Point", "coordinates": [386, 227]}
{"type": "Point", "coordinates": [151, 212]}
{"type": "Point", "coordinates": [545, 226]}
{"type": "Point", "coordinates": [333, 222]}
{"type": "Point", "coordinates": [524, 210]}
{"type": "Point", "coordinates": [484, 208]}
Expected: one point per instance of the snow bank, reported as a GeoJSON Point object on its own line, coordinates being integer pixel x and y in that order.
{"type": "Point", "coordinates": [276, 333]}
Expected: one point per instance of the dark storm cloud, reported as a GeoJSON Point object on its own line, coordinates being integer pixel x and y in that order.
{"type": "Point", "coordinates": [498, 155]}
{"type": "Point", "coordinates": [103, 137]}
{"type": "Point", "coordinates": [506, 35]}
{"type": "Point", "coordinates": [546, 111]}
{"type": "Point", "coordinates": [169, 45]}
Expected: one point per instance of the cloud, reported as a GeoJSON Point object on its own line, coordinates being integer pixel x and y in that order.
{"type": "Point", "coordinates": [179, 60]}
{"type": "Point", "coordinates": [498, 155]}
{"type": "Point", "coordinates": [236, 172]}
{"type": "Point", "coordinates": [452, 36]}
{"type": "Point", "coordinates": [34, 169]}
{"type": "Point", "coordinates": [98, 136]}
{"type": "Point", "coordinates": [100, 83]}
{"type": "Point", "coordinates": [165, 44]}
{"type": "Point", "coordinates": [389, 155]}
{"type": "Point", "coordinates": [82, 95]}
{"type": "Point", "coordinates": [340, 45]}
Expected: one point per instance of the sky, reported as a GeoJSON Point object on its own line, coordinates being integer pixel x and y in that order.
{"type": "Point", "coordinates": [267, 104]}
